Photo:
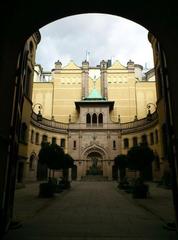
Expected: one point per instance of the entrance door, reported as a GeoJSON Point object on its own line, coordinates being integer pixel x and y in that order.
{"type": "Point", "coordinates": [94, 164]}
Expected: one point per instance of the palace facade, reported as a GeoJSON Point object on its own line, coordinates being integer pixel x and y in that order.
{"type": "Point", "coordinates": [94, 113]}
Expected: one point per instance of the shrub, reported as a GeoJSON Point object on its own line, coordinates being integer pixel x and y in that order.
{"type": "Point", "coordinates": [121, 162]}
{"type": "Point", "coordinates": [140, 158]}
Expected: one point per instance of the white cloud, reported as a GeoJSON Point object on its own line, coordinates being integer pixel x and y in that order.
{"type": "Point", "coordinates": [104, 36]}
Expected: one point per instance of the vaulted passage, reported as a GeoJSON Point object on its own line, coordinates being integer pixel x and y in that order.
{"type": "Point", "coordinates": [161, 20]}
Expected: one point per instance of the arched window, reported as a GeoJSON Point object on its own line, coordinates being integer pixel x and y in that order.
{"type": "Point", "coordinates": [53, 140]}
{"type": "Point", "coordinates": [94, 118]}
{"type": "Point", "coordinates": [100, 118]}
{"type": "Point", "coordinates": [32, 136]}
{"type": "Point", "coordinates": [74, 144]}
{"type": "Point", "coordinates": [126, 143]}
{"type": "Point", "coordinates": [44, 138]}
{"type": "Point", "coordinates": [37, 138]}
{"type": "Point", "coordinates": [114, 145]}
{"type": "Point", "coordinates": [135, 141]}
{"type": "Point", "coordinates": [32, 162]}
{"type": "Point", "coordinates": [88, 118]}
{"type": "Point", "coordinates": [144, 139]}
{"type": "Point", "coordinates": [63, 142]}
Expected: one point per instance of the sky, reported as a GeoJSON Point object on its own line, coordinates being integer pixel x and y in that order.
{"type": "Point", "coordinates": [102, 36]}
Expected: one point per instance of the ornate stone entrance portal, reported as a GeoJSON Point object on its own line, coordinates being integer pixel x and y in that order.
{"type": "Point", "coordinates": [94, 164]}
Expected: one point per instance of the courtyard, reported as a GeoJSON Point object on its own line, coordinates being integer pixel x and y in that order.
{"type": "Point", "coordinates": [92, 210]}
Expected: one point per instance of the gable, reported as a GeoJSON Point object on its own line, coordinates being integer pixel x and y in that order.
{"type": "Point", "coordinates": [117, 65]}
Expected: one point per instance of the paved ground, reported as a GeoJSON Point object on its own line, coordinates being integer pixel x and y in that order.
{"type": "Point", "coordinates": [159, 203]}
{"type": "Point", "coordinates": [89, 211]}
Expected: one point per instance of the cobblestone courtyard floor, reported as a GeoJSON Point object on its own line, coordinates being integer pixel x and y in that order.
{"type": "Point", "coordinates": [91, 211]}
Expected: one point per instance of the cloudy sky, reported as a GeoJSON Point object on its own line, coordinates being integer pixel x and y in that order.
{"type": "Point", "coordinates": [103, 36]}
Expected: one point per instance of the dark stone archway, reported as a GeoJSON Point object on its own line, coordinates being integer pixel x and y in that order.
{"type": "Point", "coordinates": [19, 19]}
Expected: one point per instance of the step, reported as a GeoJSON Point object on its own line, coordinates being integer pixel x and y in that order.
{"type": "Point", "coordinates": [94, 178]}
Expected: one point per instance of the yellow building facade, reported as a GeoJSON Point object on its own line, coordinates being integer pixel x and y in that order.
{"type": "Point", "coordinates": [128, 87]}
{"type": "Point", "coordinates": [94, 113]}
{"type": "Point", "coordinates": [26, 65]}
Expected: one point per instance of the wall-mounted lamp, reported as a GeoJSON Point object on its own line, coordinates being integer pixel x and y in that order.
{"type": "Point", "coordinates": [149, 114]}
{"type": "Point", "coordinates": [39, 114]}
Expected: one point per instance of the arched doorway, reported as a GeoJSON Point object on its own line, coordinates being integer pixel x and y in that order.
{"type": "Point", "coordinates": [13, 38]}
{"type": "Point", "coordinates": [94, 164]}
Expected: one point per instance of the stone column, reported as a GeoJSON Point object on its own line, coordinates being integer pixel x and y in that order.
{"type": "Point", "coordinates": [85, 75]}
{"type": "Point", "coordinates": [104, 83]}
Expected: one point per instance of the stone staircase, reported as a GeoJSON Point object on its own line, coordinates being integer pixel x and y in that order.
{"type": "Point", "coordinates": [94, 178]}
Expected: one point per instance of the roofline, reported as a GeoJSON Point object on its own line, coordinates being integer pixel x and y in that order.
{"type": "Point", "coordinates": [86, 102]}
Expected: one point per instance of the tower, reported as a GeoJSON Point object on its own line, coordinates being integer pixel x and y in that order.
{"type": "Point", "coordinates": [85, 74]}
{"type": "Point", "coordinates": [104, 85]}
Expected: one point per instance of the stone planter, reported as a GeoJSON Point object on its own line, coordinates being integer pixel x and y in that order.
{"type": "Point", "coordinates": [140, 191]}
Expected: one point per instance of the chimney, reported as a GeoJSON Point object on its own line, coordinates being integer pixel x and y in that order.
{"type": "Point", "coordinates": [130, 65]}
{"type": "Point", "coordinates": [58, 65]}
{"type": "Point", "coordinates": [85, 76]}
{"type": "Point", "coordinates": [104, 85]}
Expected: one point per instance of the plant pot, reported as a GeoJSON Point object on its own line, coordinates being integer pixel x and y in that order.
{"type": "Point", "coordinates": [140, 191]}
{"type": "Point", "coordinates": [46, 190]}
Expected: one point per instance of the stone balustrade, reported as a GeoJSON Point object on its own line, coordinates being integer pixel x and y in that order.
{"type": "Point", "coordinates": [125, 128]}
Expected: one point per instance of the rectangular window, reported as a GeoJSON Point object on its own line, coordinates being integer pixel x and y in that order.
{"type": "Point", "coordinates": [74, 144]}
{"type": "Point", "coordinates": [135, 141]}
{"type": "Point", "coordinates": [144, 139]}
{"type": "Point", "coordinates": [114, 145]}
{"type": "Point", "coordinates": [44, 138]}
{"type": "Point", "coordinates": [53, 140]}
{"type": "Point", "coordinates": [63, 142]}
{"type": "Point", "coordinates": [126, 143]}
{"type": "Point", "coordinates": [37, 138]}
{"type": "Point", "coordinates": [32, 136]}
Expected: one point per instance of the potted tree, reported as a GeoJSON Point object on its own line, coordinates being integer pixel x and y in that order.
{"type": "Point", "coordinates": [52, 155]}
{"type": "Point", "coordinates": [121, 163]}
{"type": "Point", "coordinates": [140, 159]}
{"type": "Point", "coordinates": [67, 163]}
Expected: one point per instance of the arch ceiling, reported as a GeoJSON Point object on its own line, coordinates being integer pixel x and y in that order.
{"type": "Point", "coordinates": [35, 14]}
